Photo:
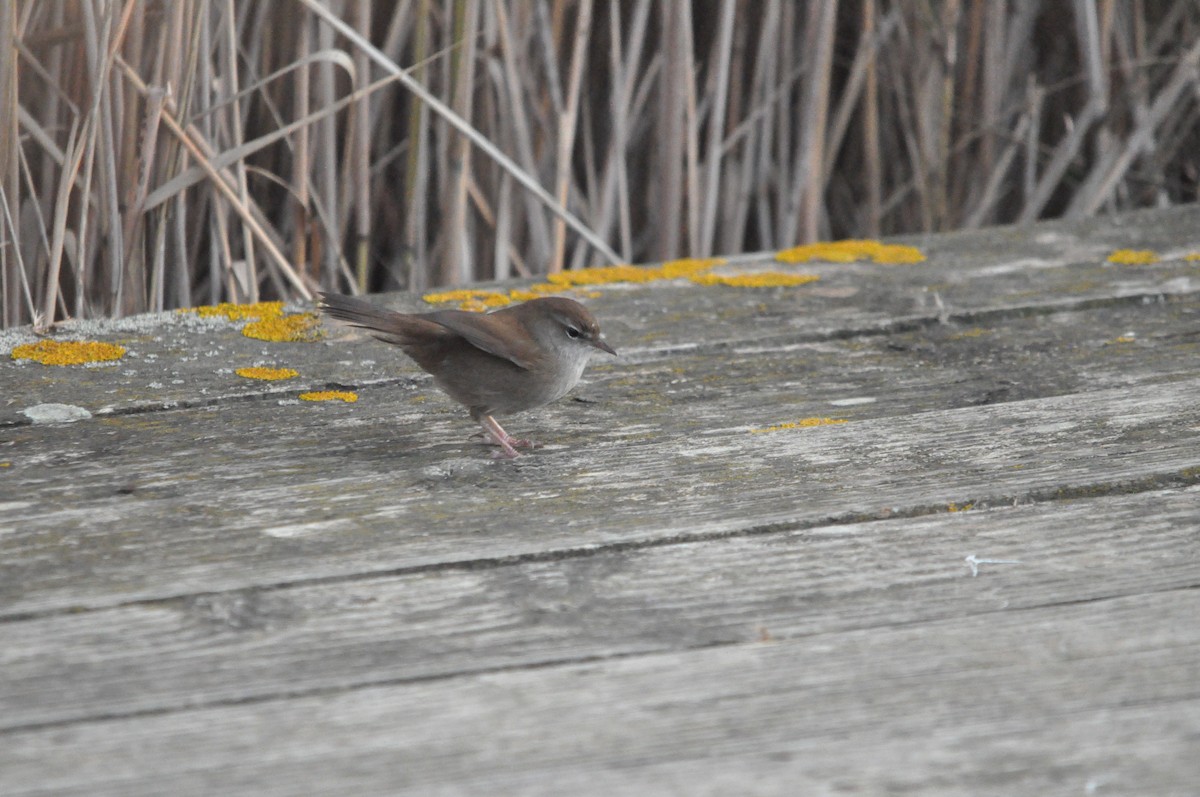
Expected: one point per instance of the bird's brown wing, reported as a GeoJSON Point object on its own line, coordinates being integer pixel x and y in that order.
{"type": "Point", "coordinates": [424, 336]}
{"type": "Point", "coordinates": [490, 333]}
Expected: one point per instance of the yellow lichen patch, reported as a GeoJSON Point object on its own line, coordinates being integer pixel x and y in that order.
{"type": "Point", "coordinates": [605, 275]}
{"type": "Point", "coordinates": [1120, 339]}
{"type": "Point", "coordinates": [469, 296]}
{"type": "Point", "coordinates": [295, 328]}
{"type": "Point", "coordinates": [499, 300]}
{"type": "Point", "coordinates": [68, 352]}
{"type": "Point", "coordinates": [686, 266]}
{"type": "Point", "coordinates": [479, 300]}
{"type": "Point", "coordinates": [898, 254]}
{"type": "Point", "coordinates": [975, 332]}
{"type": "Point", "coordinates": [960, 507]}
{"type": "Point", "coordinates": [695, 269]}
{"type": "Point", "coordinates": [330, 395]}
{"type": "Point", "coordinates": [1133, 257]}
{"type": "Point", "coordinates": [761, 279]}
{"type": "Point", "coordinates": [803, 423]}
{"type": "Point", "coordinates": [532, 292]}
{"type": "Point", "coordinates": [5, 464]}
{"type": "Point", "coordinates": [518, 295]}
{"type": "Point", "coordinates": [239, 312]}
{"type": "Point", "coordinates": [602, 275]}
{"type": "Point", "coordinates": [850, 251]}
{"type": "Point", "coordinates": [268, 374]}
{"type": "Point", "coordinates": [1192, 256]}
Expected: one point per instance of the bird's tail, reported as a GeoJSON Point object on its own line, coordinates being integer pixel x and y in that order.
{"type": "Point", "coordinates": [387, 325]}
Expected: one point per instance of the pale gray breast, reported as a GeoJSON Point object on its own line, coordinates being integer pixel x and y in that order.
{"type": "Point", "coordinates": [545, 385]}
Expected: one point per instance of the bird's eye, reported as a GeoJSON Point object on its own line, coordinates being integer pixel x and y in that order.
{"type": "Point", "coordinates": [573, 333]}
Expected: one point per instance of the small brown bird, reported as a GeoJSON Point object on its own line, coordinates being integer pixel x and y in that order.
{"type": "Point", "coordinates": [498, 363]}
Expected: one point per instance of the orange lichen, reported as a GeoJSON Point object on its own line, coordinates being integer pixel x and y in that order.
{"type": "Point", "coordinates": [268, 374]}
{"type": "Point", "coordinates": [803, 423]}
{"type": "Point", "coordinates": [760, 279]}
{"type": "Point", "coordinates": [1133, 257]}
{"type": "Point", "coordinates": [330, 395]}
{"type": "Point", "coordinates": [239, 312]}
{"type": "Point", "coordinates": [850, 251]}
{"type": "Point", "coordinates": [68, 352]}
{"type": "Point", "coordinates": [295, 328]}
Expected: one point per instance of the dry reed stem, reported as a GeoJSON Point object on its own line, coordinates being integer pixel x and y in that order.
{"type": "Point", "coordinates": [567, 121]}
{"type": "Point", "coordinates": [359, 164]}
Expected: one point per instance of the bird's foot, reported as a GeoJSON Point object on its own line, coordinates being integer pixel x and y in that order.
{"type": "Point", "coordinates": [494, 435]}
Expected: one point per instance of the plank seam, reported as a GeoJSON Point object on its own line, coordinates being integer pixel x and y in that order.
{"type": "Point", "coordinates": [1180, 479]}
{"type": "Point", "coordinates": [547, 664]}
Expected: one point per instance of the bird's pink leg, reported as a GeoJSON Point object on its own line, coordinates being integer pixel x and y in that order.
{"type": "Point", "coordinates": [497, 436]}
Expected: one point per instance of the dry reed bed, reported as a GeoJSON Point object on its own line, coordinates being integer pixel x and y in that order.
{"type": "Point", "coordinates": [165, 154]}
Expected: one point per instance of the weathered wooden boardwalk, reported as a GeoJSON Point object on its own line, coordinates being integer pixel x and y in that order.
{"type": "Point", "coordinates": [985, 581]}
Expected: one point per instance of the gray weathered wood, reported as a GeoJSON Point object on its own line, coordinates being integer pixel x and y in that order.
{"type": "Point", "coordinates": [234, 478]}
{"type": "Point", "coordinates": [210, 585]}
{"type": "Point", "coordinates": [229, 510]}
{"type": "Point", "coordinates": [1092, 696]}
{"type": "Point", "coordinates": [229, 646]}
{"type": "Point", "coordinates": [177, 359]}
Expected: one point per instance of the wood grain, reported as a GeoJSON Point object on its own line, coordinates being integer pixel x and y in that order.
{"type": "Point", "coordinates": [228, 508]}
{"type": "Point", "coordinates": [1062, 699]}
{"type": "Point", "coordinates": [231, 646]}
{"type": "Point", "coordinates": [211, 587]}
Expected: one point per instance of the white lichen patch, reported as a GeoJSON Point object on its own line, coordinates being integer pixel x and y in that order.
{"type": "Point", "coordinates": [55, 413]}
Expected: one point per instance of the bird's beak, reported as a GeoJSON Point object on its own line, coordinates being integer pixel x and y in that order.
{"type": "Point", "coordinates": [603, 346]}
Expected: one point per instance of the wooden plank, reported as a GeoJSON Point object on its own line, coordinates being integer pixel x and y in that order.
{"type": "Point", "coordinates": [946, 365]}
{"type": "Point", "coordinates": [180, 360]}
{"type": "Point", "coordinates": [162, 506]}
{"type": "Point", "coordinates": [253, 595]}
{"type": "Point", "coordinates": [253, 645]}
{"type": "Point", "coordinates": [1093, 696]}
